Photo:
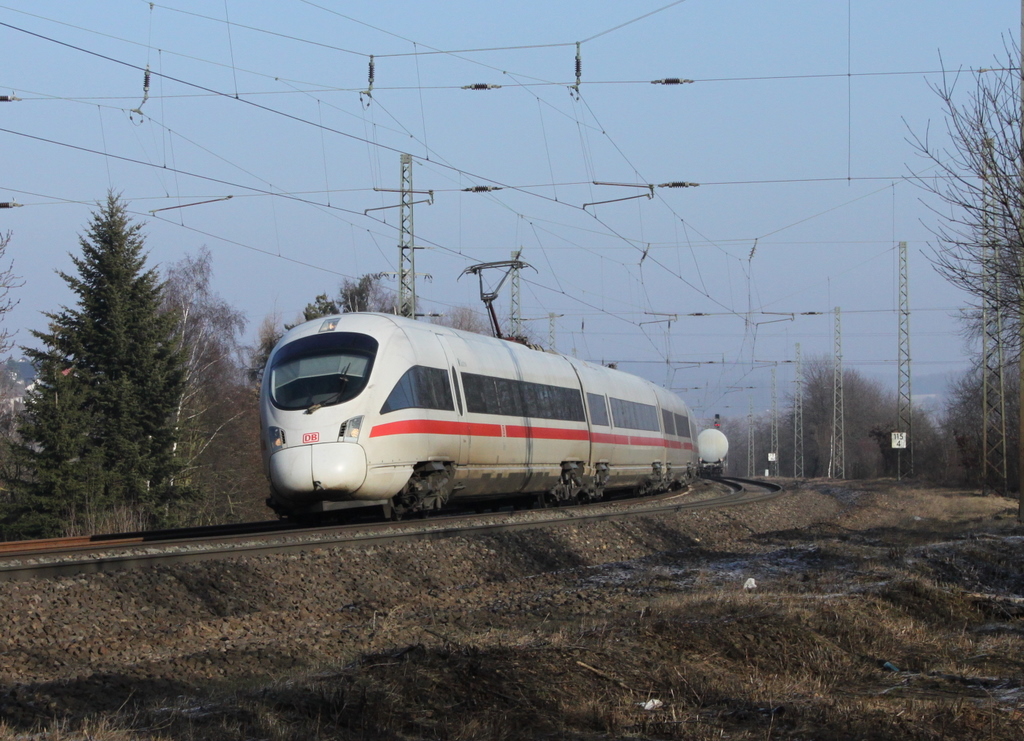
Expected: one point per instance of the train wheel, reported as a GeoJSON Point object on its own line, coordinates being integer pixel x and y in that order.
{"type": "Point", "coordinates": [395, 511]}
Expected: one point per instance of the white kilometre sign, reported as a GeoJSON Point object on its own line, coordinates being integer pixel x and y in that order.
{"type": "Point", "coordinates": [899, 439]}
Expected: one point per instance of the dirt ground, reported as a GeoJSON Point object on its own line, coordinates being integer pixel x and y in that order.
{"type": "Point", "coordinates": [878, 610]}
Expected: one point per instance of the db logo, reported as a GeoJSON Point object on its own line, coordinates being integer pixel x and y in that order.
{"type": "Point", "coordinates": [310, 437]}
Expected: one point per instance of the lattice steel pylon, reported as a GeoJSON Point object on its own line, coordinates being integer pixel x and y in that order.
{"type": "Point", "coordinates": [516, 318]}
{"type": "Point", "coordinates": [551, 330]}
{"type": "Point", "coordinates": [798, 419]}
{"type": "Point", "coordinates": [406, 250]}
{"type": "Point", "coordinates": [773, 465]}
{"type": "Point", "coordinates": [837, 459]}
{"type": "Point", "coordinates": [993, 400]}
{"type": "Point", "coordinates": [750, 439]}
{"type": "Point", "coordinates": [904, 402]}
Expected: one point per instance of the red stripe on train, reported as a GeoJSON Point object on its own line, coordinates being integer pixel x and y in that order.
{"type": "Point", "coordinates": [475, 429]}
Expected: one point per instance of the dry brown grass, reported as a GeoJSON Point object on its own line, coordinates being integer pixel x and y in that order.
{"type": "Point", "coordinates": [122, 519]}
{"type": "Point", "coordinates": [749, 666]}
{"type": "Point", "coordinates": [852, 634]}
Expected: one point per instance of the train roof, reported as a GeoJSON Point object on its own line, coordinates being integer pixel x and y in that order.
{"type": "Point", "coordinates": [374, 322]}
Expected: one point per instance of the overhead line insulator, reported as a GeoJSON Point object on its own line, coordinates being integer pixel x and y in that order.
{"type": "Point", "coordinates": [369, 84]}
{"type": "Point", "coordinates": [575, 89]}
{"type": "Point", "coordinates": [679, 184]}
{"type": "Point", "coordinates": [8, 98]}
{"type": "Point", "coordinates": [482, 188]}
{"type": "Point", "coordinates": [145, 91]}
{"type": "Point", "coordinates": [9, 204]}
{"type": "Point", "coordinates": [671, 81]}
{"type": "Point", "coordinates": [480, 86]}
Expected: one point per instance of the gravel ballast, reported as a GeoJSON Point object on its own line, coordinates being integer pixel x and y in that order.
{"type": "Point", "coordinates": [76, 647]}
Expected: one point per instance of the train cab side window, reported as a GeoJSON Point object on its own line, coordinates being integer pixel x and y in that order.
{"type": "Point", "coordinates": [598, 409]}
{"type": "Point", "coordinates": [420, 388]}
{"type": "Point", "coordinates": [668, 422]}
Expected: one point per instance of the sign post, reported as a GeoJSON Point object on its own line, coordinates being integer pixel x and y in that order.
{"type": "Point", "coordinates": [899, 444]}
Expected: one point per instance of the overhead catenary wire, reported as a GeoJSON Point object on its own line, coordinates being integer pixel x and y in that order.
{"type": "Point", "coordinates": [268, 109]}
{"type": "Point", "coordinates": [329, 189]}
{"type": "Point", "coordinates": [426, 50]}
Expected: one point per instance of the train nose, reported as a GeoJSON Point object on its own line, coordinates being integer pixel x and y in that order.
{"type": "Point", "coordinates": [329, 466]}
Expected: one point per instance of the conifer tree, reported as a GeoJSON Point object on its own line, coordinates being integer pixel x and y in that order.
{"type": "Point", "coordinates": [99, 429]}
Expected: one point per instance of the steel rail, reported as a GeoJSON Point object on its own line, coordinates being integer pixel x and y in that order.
{"type": "Point", "coordinates": [97, 556]}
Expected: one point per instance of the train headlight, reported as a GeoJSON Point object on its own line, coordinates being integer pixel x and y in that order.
{"type": "Point", "coordinates": [277, 439]}
{"type": "Point", "coordinates": [349, 431]}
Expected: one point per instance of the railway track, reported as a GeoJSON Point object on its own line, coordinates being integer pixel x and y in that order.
{"type": "Point", "coordinates": [96, 554]}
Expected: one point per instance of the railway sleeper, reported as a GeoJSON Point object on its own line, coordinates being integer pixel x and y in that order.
{"type": "Point", "coordinates": [428, 489]}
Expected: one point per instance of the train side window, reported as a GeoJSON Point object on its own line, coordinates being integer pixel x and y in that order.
{"type": "Point", "coordinates": [510, 403]}
{"type": "Point", "coordinates": [683, 425]}
{"type": "Point", "coordinates": [507, 396]}
{"type": "Point", "coordinates": [535, 400]}
{"type": "Point", "coordinates": [634, 415]}
{"type": "Point", "coordinates": [480, 393]}
{"type": "Point", "coordinates": [420, 387]}
{"type": "Point", "coordinates": [668, 422]}
{"type": "Point", "coordinates": [598, 409]}
{"type": "Point", "coordinates": [552, 402]}
{"type": "Point", "coordinates": [458, 395]}
{"type": "Point", "coordinates": [570, 405]}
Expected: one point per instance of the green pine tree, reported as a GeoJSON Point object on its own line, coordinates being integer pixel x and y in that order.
{"type": "Point", "coordinates": [99, 429]}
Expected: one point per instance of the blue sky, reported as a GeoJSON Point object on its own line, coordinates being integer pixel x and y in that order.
{"type": "Point", "coordinates": [795, 127]}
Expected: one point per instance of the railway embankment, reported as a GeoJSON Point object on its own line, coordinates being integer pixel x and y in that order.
{"type": "Point", "coordinates": [877, 610]}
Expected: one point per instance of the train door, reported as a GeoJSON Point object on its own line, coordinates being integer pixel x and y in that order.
{"type": "Point", "coordinates": [460, 399]}
{"type": "Point", "coordinates": [599, 407]}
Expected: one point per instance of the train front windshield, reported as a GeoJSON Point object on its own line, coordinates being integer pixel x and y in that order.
{"type": "Point", "coordinates": [321, 370]}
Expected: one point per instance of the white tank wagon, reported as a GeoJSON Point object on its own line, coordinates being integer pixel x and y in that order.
{"type": "Point", "coordinates": [363, 409]}
{"type": "Point", "coordinates": [713, 447]}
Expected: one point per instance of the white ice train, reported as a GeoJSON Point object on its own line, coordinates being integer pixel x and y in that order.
{"type": "Point", "coordinates": [362, 409]}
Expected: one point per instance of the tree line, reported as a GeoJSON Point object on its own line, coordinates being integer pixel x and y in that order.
{"type": "Point", "coordinates": [144, 408]}
{"type": "Point", "coordinates": [869, 417]}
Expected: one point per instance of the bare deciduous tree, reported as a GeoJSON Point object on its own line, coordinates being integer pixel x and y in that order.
{"type": "Point", "coordinates": [980, 182]}
{"type": "Point", "coordinates": [217, 414]}
{"type": "Point", "coordinates": [961, 429]}
{"type": "Point", "coordinates": [869, 419]}
{"type": "Point", "coordinates": [267, 335]}
{"type": "Point", "coordinates": [976, 173]}
{"type": "Point", "coordinates": [8, 282]}
{"type": "Point", "coordinates": [464, 318]}
{"type": "Point", "coordinates": [210, 330]}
